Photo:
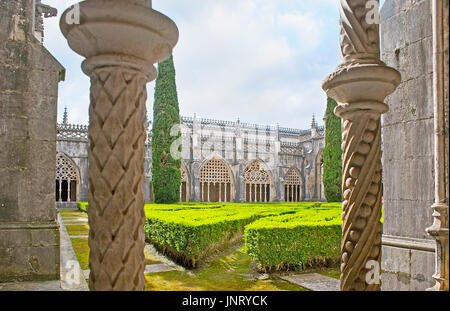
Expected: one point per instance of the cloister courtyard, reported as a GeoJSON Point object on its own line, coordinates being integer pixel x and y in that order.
{"type": "Point", "coordinates": [320, 161]}
{"type": "Point", "coordinates": [227, 266]}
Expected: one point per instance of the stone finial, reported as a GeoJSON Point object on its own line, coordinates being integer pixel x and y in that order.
{"type": "Point", "coordinates": [121, 41]}
{"type": "Point", "coordinates": [314, 122]}
{"type": "Point", "coordinates": [65, 116]}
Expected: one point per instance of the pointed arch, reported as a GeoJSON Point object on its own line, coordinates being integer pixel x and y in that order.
{"type": "Point", "coordinates": [67, 179]}
{"type": "Point", "coordinates": [185, 184]}
{"type": "Point", "coordinates": [293, 185]}
{"type": "Point", "coordinates": [258, 182]}
{"type": "Point", "coordinates": [216, 181]}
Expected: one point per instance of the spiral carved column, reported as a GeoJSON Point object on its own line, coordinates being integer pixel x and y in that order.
{"type": "Point", "coordinates": [121, 40]}
{"type": "Point", "coordinates": [360, 84]}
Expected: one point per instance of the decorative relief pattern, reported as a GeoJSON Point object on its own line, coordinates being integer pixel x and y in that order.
{"type": "Point", "coordinates": [292, 177]}
{"type": "Point", "coordinates": [362, 192]}
{"type": "Point", "coordinates": [65, 170]}
{"type": "Point", "coordinates": [359, 40]}
{"type": "Point", "coordinates": [255, 173]}
{"type": "Point", "coordinates": [215, 171]}
{"type": "Point", "coordinates": [72, 132]}
{"type": "Point", "coordinates": [116, 177]}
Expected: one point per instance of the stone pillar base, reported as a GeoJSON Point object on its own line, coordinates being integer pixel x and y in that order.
{"type": "Point", "coordinates": [29, 251]}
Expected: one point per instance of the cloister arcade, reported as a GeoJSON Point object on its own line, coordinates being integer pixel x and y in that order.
{"type": "Point", "coordinates": [67, 179]}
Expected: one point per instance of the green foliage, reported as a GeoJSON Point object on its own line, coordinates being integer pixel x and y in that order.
{"type": "Point", "coordinates": [83, 206]}
{"type": "Point", "coordinates": [332, 155]}
{"type": "Point", "coordinates": [189, 232]}
{"type": "Point", "coordinates": [166, 175]}
{"type": "Point", "coordinates": [308, 238]}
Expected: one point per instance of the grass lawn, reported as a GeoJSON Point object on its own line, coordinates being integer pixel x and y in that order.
{"type": "Point", "coordinates": [81, 248]}
{"type": "Point", "coordinates": [193, 226]}
{"type": "Point", "coordinates": [231, 271]}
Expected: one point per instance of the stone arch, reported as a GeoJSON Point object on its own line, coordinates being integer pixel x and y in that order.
{"type": "Point", "coordinates": [216, 181]}
{"type": "Point", "coordinates": [293, 191]}
{"type": "Point", "coordinates": [258, 182]}
{"type": "Point", "coordinates": [185, 184]}
{"type": "Point", "coordinates": [67, 179]}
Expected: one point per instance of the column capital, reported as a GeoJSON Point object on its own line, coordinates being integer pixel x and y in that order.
{"type": "Point", "coordinates": [120, 33]}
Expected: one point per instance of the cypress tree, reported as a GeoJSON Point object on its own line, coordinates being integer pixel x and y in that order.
{"type": "Point", "coordinates": [332, 155]}
{"type": "Point", "coordinates": [166, 175]}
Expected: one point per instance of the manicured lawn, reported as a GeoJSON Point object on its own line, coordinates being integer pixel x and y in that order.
{"type": "Point", "coordinates": [77, 229]}
{"type": "Point", "coordinates": [81, 248]}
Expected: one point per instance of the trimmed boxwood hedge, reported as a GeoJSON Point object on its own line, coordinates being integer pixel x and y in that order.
{"type": "Point", "coordinates": [277, 235]}
{"type": "Point", "coordinates": [189, 233]}
{"type": "Point", "coordinates": [306, 239]}
{"type": "Point", "coordinates": [83, 206]}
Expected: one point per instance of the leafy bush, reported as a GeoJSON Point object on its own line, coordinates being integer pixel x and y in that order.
{"type": "Point", "coordinates": [83, 206]}
{"type": "Point", "coordinates": [166, 174]}
{"type": "Point", "coordinates": [308, 238]}
{"type": "Point", "coordinates": [332, 155]}
{"type": "Point", "coordinates": [190, 232]}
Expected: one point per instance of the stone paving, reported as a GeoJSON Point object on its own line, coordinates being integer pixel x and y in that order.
{"type": "Point", "coordinates": [313, 281]}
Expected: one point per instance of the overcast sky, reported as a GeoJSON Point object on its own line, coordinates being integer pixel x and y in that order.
{"type": "Point", "coordinates": [260, 60]}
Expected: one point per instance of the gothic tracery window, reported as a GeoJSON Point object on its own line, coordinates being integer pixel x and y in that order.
{"type": "Point", "coordinates": [215, 182]}
{"type": "Point", "coordinates": [257, 182]}
{"type": "Point", "coordinates": [66, 179]}
{"type": "Point", "coordinates": [292, 186]}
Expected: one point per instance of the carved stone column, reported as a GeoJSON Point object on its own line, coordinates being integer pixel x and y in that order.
{"type": "Point", "coordinates": [439, 229]}
{"type": "Point", "coordinates": [359, 85]}
{"type": "Point", "coordinates": [121, 40]}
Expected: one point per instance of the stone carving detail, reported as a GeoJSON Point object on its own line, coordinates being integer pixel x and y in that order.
{"type": "Point", "coordinates": [65, 169]}
{"type": "Point", "coordinates": [292, 177]}
{"type": "Point", "coordinates": [255, 173]}
{"type": "Point", "coordinates": [121, 41]}
{"type": "Point", "coordinates": [359, 85]}
{"type": "Point", "coordinates": [215, 171]}
{"type": "Point", "coordinates": [72, 132]}
{"type": "Point", "coordinates": [116, 166]}
{"type": "Point", "coordinates": [359, 40]}
{"type": "Point", "coordinates": [361, 228]}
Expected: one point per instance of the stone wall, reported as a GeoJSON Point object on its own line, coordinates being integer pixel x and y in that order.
{"type": "Point", "coordinates": [408, 146]}
{"type": "Point", "coordinates": [29, 235]}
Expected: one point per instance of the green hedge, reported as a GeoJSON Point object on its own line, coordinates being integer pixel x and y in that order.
{"type": "Point", "coordinates": [83, 206]}
{"type": "Point", "coordinates": [332, 154]}
{"type": "Point", "coordinates": [166, 174]}
{"type": "Point", "coordinates": [189, 233]}
{"type": "Point", "coordinates": [308, 238]}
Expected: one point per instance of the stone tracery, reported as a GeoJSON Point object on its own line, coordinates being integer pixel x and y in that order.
{"type": "Point", "coordinates": [257, 182]}
{"type": "Point", "coordinates": [215, 181]}
{"type": "Point", "coordinates": [67, 179]}
{"type": "Point", "coordinates": [293, 186]}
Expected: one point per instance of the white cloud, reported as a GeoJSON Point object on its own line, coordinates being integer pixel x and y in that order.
{"type": "Point", "coordinates": [260, 60]}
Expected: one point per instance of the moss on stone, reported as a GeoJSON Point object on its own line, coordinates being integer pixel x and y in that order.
{"type": "Point", "coordinates": [81, 248]}
{"type": "Point", "coordinates": [77, 229]}
{"type": "Point", "coordinates": [232, 271]}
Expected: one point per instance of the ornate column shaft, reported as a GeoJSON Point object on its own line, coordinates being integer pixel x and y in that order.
{"type": "Point", "coordinates": [121, 41]}
{"type": "Point", "coordinates": [439, 228]}
{"type": "Point", "coordinates": [359, 85]}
